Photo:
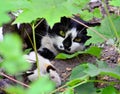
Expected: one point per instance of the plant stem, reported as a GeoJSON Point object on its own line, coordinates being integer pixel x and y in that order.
{"type": "Point", "coordinates": [111, 22]}
{"type": "Point", "coordinates": [83, 82]}
{"type": "Point", "coordinates": [101, 81]}
{"type": "Point", "coordinates": [35, 49]}
{"type": "Point", "coordinates": [58, 89]}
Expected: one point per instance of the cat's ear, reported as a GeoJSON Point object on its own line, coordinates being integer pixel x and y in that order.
{"type": "Point", "coordinates": [88, 37]}
{"type": "Point", "coordinates": [65, 21]}
{"type": "Point", "coordinates": [90, 24]}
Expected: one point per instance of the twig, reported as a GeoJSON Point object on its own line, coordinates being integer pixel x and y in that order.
{"type": "Point", "coordinates": [90, 29]}
{"type": "Point", "coordinates": [23, 84]}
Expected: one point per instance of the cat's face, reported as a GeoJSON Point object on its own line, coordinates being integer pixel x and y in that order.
{"type": "Point", "coordinates": [69, 36]}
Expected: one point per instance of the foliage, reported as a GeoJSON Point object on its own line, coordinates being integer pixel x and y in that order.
{"type": "Point", "coordinates": [52, 12]}
{"type": "Point", "coordinates": [110, 90]}
{"type": "Point", "coordinates": [105, 29]}
{"type": "Point", "coordinates": [115, 3]}
{"type": "Point", "coordinates": [93, 50]}
{"type": "Point", "coordinates": [35, 87]}
{"type": "Point", "coordinates": [83, 76]}
{"type": "Point", "coordinates": [86, 73]}
{"type": "Point", "coordinates": [11, 6]}
{"type": "Point", "coordinates": [13, 58]}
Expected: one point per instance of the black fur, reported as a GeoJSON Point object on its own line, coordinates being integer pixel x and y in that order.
{"type": "Point", "coordinates": [46, 53]}
{"type": "Point", "coordinates": [50, 68]}
{"type": "Point", "coordinates": [67, 42]}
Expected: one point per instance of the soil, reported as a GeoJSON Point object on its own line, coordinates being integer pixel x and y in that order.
{"type": "Point", "coordinates": [109, 54]}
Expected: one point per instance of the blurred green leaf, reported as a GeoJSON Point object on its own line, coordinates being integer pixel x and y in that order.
{"type": "Point", "coordinates": [11, 51]}
{"type": "Point", "coordinates": [42, 86]}
{"type": "Point", "coordinates": [68, 91]}
{"type": "Point", "coordinates": [12, 5]}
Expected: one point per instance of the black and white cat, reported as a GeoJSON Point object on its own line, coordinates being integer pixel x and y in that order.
{"type": "Point", "coordinates": [65, 36]}
{"type": "Point", "coordinates": [70, 36]}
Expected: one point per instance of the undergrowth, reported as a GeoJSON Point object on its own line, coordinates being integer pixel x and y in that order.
{"type": "Point", "coordinates": [82, 78]}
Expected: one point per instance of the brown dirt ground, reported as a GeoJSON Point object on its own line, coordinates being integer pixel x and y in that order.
{"type": "Point", "coordinates": [109, 54]}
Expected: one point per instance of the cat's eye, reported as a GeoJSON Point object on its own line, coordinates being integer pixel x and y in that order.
{"type": "Point", "coordinates": [62, 33]}
{"type": "Point", "coordinates": [77, 39]}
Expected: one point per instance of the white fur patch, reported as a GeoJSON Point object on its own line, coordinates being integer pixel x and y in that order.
{"type": "Point", "coordinates": [73, 32]}
{"type": "Point", "coordinates": [43, 64]}
{"type": "Point", "coordinates": [58, 41]}
{"type": "Point", "coordinates": [47, 42]}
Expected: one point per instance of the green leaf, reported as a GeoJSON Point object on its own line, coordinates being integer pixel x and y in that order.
{"type": "Point", "coordinates": [105, 69]}
{"type": "Point", "coordinates": [80, 3]}
{"type": "Point", "coordinates": [41, 86]}
{"type": "Point", "coordinates": [86, 15]}
{"type": "Point", "coordinates": [75, 6]}
{"type": "Point", "coordinates": [93, 50]}
{"type": "Point", "coordinates": [11, 50]}
{"type": "Point", "coordinates": [38, 9]}
{"type": "Point", "coordinates": [109, 90]}
{"type": "Point", "coordinates": [97, 13]}
{"type": "Point", "coordinates": [105, 30]}
{"type": "Point", "coordinates": [92, 70]}
{"type": "Point", "coordinates": [78, 71]}
{"type": "Point", "coordinates": [102, 68]}
{"type": "Point", "coordinates": [87, 88]}
{"type": "Point", "coordinates": [54, 10]}
{"type": "Point", "coordinates": [114, 2]}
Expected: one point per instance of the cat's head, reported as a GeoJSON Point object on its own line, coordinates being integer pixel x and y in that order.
{"type": "Point", "coordinates": [70, 36]}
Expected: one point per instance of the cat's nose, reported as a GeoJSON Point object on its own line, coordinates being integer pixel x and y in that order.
{"type": "Point", "coordinates": [67, 42]}
{"type": "Point", "coordinates": [67, 45]}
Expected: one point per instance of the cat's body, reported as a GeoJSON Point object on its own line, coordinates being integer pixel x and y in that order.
{"type": "Point", "coordinates": [66, 36]}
